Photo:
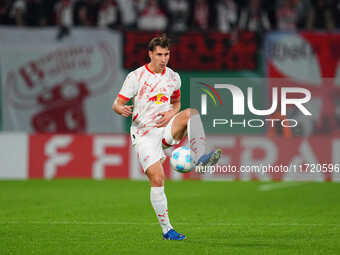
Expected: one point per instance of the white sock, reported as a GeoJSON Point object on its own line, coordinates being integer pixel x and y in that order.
{"type": "Point", "coordinates": [160, 205]}
{"type": "Point", "coordinates": [196, 137]}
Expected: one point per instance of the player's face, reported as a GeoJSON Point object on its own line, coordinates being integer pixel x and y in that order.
{"type": "Point", "coordinates": [159, 57]}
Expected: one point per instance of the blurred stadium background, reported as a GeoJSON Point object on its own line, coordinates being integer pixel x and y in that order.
{"type": "Point", "coordinates": [62, 62]}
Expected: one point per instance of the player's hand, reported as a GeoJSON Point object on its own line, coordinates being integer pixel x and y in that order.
{"type": "Point", "coordinates": [165, 118]}
{"type": "Point", "coordinates": [126, 110]}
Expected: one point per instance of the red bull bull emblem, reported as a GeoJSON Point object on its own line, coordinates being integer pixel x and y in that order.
{"type": "Point", "coordinates": [159, 99]}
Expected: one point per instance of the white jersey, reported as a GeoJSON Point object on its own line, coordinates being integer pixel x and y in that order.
{"type": "Point", "coordinates": [152, 94]}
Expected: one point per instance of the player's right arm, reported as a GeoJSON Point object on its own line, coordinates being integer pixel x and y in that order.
{"type": "Point", "coordinates": [120, 107]}
{"type": "Point", "coordinates": [128, 91]}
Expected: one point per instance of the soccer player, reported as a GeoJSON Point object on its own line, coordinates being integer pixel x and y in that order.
{"type": "Point", "coordinates": [157, 123]}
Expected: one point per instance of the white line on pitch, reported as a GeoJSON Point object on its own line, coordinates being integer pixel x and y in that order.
{"type": "Point", "coordinates": [279, 185]}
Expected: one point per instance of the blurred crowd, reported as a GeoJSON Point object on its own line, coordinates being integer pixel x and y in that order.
{"type": "Point", "coordinates": [175, 15]}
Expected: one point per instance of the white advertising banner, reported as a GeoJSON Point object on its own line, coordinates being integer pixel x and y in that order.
{"type": "Point", "coordinates": [51, 86]}
{"type": "Point", "coordinates": [13, 155]}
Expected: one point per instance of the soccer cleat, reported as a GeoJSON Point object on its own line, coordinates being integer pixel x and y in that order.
{"type": "Point", "coordinates": [173, 235]}
{"type": "Point", "coordinates": [209, 159]}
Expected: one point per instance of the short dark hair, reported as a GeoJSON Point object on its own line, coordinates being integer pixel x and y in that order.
{"type": "Point", "coordinates": [163, 41]}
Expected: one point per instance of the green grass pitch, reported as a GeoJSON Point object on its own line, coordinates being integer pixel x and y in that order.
{"type": "Point", "coordinates": [116, 217]}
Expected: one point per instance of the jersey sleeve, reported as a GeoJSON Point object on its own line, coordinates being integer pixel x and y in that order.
{"type": "Point", "coordinates": [177, 90]}
{"type": "Point", "coordinates": [129, 88]}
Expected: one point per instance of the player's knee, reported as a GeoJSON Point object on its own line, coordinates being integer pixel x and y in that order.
{"type": "Point", "coordinates": [188, 112]}
{"type": "Point", "coordinates": [187, 115]}
{"type": "Point", "coordinates": [193, 111]}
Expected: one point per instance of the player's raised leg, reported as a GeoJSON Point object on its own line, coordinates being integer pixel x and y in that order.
{"type": "Point", "coordinates": [159, 202]}
{"type": "Point", "coordinates": [189, 122]}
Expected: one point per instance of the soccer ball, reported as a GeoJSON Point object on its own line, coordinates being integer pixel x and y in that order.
{"type": "Point", "coordinates": [181, 160]}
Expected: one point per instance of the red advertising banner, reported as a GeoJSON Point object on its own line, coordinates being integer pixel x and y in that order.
{"type": "Point", "coordinates": [268, 158]}
{"type": "Point", "coordinates": [315, 158]}
{"type": "Point", "coordinates": [196, 51]}
{"type": "Point", "coordinates": [79, 156]}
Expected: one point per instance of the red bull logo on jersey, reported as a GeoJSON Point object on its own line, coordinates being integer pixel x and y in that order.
{"type": "Point", "coordinates": [159, 99]}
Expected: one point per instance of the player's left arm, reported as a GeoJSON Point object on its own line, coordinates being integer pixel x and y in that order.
{"type": "Point", "coordinates": [166, 116]}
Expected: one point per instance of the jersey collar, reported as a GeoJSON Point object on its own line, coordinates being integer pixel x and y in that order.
{"type": "Point", "coordinates": [147, 68]}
